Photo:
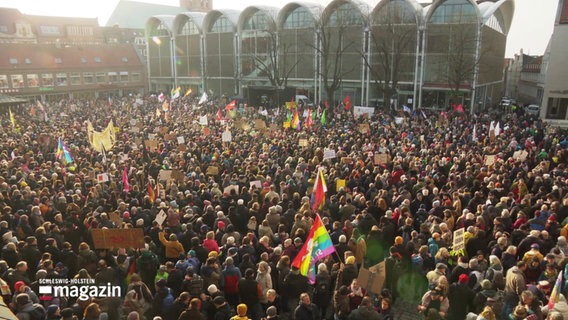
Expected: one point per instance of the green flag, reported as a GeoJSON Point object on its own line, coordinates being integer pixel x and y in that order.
{"type": "Point", "coordinates": [323, 120]}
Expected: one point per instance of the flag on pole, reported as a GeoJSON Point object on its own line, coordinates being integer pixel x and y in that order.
{"type": "Point", "coordinates": [219, 115]}
{"type": "Point", "coordinates": [175, 93]}
{"type": "Point", "coordinates": [458, 107]}
{"type": "Point", "coordinates": [492, 127]}
{"type": "Point", "coordinates": [187, 92]}
{"type": "Point", "coordinates": [231, 105]}
{"type": "Point", "coordinates": [125, 183]}
{"type": "Point", "coordinates": [109, 100]}
{"type": "Point", "coordinates": [497, 129]}
{"type": "Point", "coordinates": [309, 120]}
{"type": "Point", "coordinates": [318, 194]}
{"type": "Point", "coordinates": [161, 97]}
{"type": "Point", "coordinates": [323, 119]}
{"type": "Point", "coordinates": [318, 245]}
{"type": "Point", "coordinates": [42, 107]}
{"type": "Point", "coordinates": [347, 103]}
{"type": "Point", "coordinates": [63, 153]}
{"type": "Point", "coordinates": [203, 98]}
{"type": "Point", "coordinates": [12, 119]}
{"type": "Point", "coordinates": [406, 109]}
{"type": "Point", "coordinates": [555, 291]}
{"type": "Point", "coordinates": [474, 135]}
{"type": "Point", "coordinates": [151, 193]}
{"type": "Point", "coordinates": [295, 120]}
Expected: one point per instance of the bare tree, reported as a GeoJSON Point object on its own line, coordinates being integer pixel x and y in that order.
{"type": "Point", "coordinates": [462, 60]}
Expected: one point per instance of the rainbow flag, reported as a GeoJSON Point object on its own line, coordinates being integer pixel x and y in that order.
{"type": "Point", "coordinates": [555, 291]}
{"type": "Point", "coordinates": [318, 245]}
{"type": "Point", "coordinates": [63, 153]}
{"type": "Point", "coordinates": [318, 194]}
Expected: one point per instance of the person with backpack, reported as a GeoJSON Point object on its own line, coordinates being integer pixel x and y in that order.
{"type": "Point", "coordinates": [322, 289]}
{"type": "Point", "coordinates": [27, 310]}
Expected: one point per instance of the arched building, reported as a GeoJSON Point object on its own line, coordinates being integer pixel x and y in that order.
{"type": "Point", "coordinates": [395, 52]}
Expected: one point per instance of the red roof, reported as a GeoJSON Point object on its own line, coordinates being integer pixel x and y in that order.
{"type": "Point", "coordinates": [33, 57]}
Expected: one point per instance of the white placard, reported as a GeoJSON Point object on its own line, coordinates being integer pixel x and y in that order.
{"type": "Point", "coordinates": [203, 120]}
{"type": "Point", "coordinates": [161, 217]}
{"type": "Point", "coordinates": [398, 120]}
{"type": "Point", "coordinates": [328, 154]}
{"type": "Point", "coordinates": [102, 177]}
{"type": "Point", "coordinates": [151, 136]}
{"type": "Point", "coordinates": [256, 183]}
{"type": "Point", "coordinates": [181, 140]}
{"type": "Point", "coordinates": [227, 136]}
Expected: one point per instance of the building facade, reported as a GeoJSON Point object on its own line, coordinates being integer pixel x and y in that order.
{"type": "Point", "coordinates": [396, 52]}
{"type": "Point", "coordinates": [49, 58]}
{"type": "Point", "coordinates": [555, 97]}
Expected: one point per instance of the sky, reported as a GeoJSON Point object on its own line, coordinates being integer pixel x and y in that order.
{"type": "Point", "coordinates": [532, 26]}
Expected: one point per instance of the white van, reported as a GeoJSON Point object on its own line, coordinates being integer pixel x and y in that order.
{"type": "Point", "coordinates": [533, 110]}
{"type": "Point", "coordinates": [302, 100]}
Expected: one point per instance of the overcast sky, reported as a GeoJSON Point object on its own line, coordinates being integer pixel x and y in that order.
{"type": "Point", "coordinates": [532, 24]}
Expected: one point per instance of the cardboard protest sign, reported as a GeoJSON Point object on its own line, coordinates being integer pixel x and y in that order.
{"type": "Point", "coordinates": [228, 189]}
{"type": "Point", "coordinates": [118, 238]}
{"type": "Point", "coordinates": [256, 183]}
{"type": "Point", "coordinates": [379, 275]}
{"type": "Point", "coordinates": [303, 142]}
{"type": "Point", "coordinates": [273, 127]}
{"type": "Point", "coordinates": [381, 158]}
{"type": "Point", "coordinates": [102, 177]}
{"type": "Point", "coordinates": [115, 217]}
{"type": "Point", "coordinates": [161, 217]}
{"type": "Point", "coordinates": [151, 144]}
{"type": "Point", "coordinates": [259, 124]}
{"type": "Point", "coordinates": [489, 160]}
{"type": "Point", "coordinates": [182, 147]}
{"type": "Point", "coordinates": [520, 155]}
{"type": "Point", "coordinates": [346, 160]}
{"type": "Point", "coordinates": [177, 175]}
{"type": "Point", "coordinates": [165, 175]}
{"type": "Point", "coordinates": [212, 171]}
{"type": "Point", "coordinates": [459, 240]}
{"type": "Point", "coordinates": [163, 130]}
{"type": "Point", "coordinates": [364, 128]}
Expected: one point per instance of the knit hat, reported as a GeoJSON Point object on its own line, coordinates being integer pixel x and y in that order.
{"type": "Point", "coordinates": [398, 240]}
{"type": "Point", "coordinates": [52, 309]}
{"type": "Point", "coordinates": [242, 310]}
{"type": "Point", "coordinates": [212, 289]}
{"type": "Point", "coordinates": [463, 278]}
{"type": "Point", "coordinates": [18, 285]}
{"type": "Point", "coordinates": [350, 260]}
{"type": "Point", "coordinates": [342, 239]}
{"type": "Point", "coordinates": [219, 300]}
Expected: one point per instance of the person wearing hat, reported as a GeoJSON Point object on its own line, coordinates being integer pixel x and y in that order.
{"type": "Point", "coordinates": [250, 293]}
{"type": "Point", "coordinates": [53, 312]}
{"type": "Point", "coordinates": [460, 298]}
{"type": "Point", "coordinates": [242, 310]}
{"type": "Point", "coordinates": [21, 287]}
{"type": "Point", "coordinates": [27, 309]}
{"type": "Point", "coordinates": [434, 301]}
{"type": "Point", "coordinates": [222, 309]}
{"type": "Point", "coordinates": [533, 252]}
{"type": "Point", "coordinates": [487, 296]}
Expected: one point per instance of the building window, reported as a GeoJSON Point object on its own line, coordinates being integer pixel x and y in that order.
{"type": "Point", "coordinates": [98, 59]}
{"type": "Point", "coordinates": [83, 60]}
{"type": "Point", "coordinates": [88, 78]}
{"type": "Point", "coordinates": [51, 30]}
{"type": "Point", "coordinates": [101, 77]}
{"type": "Point", "coordinates": [58, 60]}
{"type": "Point", "coordinates": [299, 18]}
{"type": "Point", "coordinates": [17, 81]}
{"type": "Point", "coordinates": [112, 77]}
{"type": "Point", "coordinates": [75, 78]}
{"type": "Point", "coordinates": [124, 76]}
{"type": "Point", "coordinates": [33, 80]}
{"type": "Point", "coordinates": [124, 59]}
{"type": "Point", "coordinates": [135, 77]}
{"type": "Point", "coordinates": [3, 81]}
{"type": "Point", "coordinates": [61, 79]}
{"type": "Point", "coordinates": [47, 79]}
{"type": "Point", "coordinates": [13, 61]}
{"type": "Point", "coordinates": [223, 24]}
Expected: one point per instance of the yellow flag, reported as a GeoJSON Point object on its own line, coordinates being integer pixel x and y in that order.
{"type": "Point", "coordinates": [12, 119]}
{"type": "Point", "coordinates": [187, 92]}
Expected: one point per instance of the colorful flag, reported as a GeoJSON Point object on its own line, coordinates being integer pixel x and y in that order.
{"type": "Point", "coordinates": [12, 119]}
{"type": "Point", "coordinates": [231, 105]}
{"type": "Point", "coordinates": [309, 120]}
{"type": "Point", "coordinates": [323, 119]}
{"type": "Point", "coordinates": [187, 92]}
{"type": "Point", "coordinates": [219, 115]}
{"type": "Point", "coordinates": [406, 109]}
{"type": "Point", "coordinates": [318, 245]}
{"type": "Point", "coordinates": [42, 107]}
{"type": "Point", "coordinates": [151, 193]}
{"type": "Point", "coordinates": [63, 153]}
{"type": "Point", "coordinates": [165, 106]}
{"type": "Point", "coordinates": [497, 129]}
{"type": "Point", "coordinates": [295, 120]}
{"type": "Point", "coordinates": [555, 291]}
{"type": "Point", "coordinates": [175, 93]}
{"type": "Point", "coordinates": [203, 98]}
{"type": "Point", "coordinates": [318, 194]}
{"type": "Point", "coordinates": [109, 100]}
{"type": "Point", "coordinates": [125, 183]}
{"type": "Point", "coordinates": [161, 97]}
{"type": "Point", "coordinates": [458, 107]}
{"type": "Point", "coordinates": [347, 103]}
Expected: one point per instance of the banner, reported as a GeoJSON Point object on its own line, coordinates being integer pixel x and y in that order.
{"type": "Point", "coordinates": [118, 238]}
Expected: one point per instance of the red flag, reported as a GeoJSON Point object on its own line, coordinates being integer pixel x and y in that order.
{"type": "Point", "coordinates": [219, 115]}
{"type": "Point", "coordinates": [347, 103]}
{"type": "Point", "coordinates": [231, 105]}
{"type": "Point", "coordinates": [125, 183]}
{"type": "Point", "coordinates": [151, 193]}
{"type": "Point", "coordinates": [309, 120]}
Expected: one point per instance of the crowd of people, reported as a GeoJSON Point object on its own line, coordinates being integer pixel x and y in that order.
{"type": "Point", "coordinates": [398, 187]}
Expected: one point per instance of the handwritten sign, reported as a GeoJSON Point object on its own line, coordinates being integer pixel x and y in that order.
{"type": "Point", "coordinates": [303, 142]}
{"type": "Point", "coordinates": [520, 155]}
{"type": "Point", "coordinates": [203, 120]}
{"type": "Point", "coordinates": [161, 217]}
{"type": "Point", "coordinates": [329, 154]}
{"type": "Point", "coordinates": [118, 238]}
{"type": "Point", "coordinates": [177, 175]}
{"type": "Point", "coordinates": [115, 217]}
{"type": "Point", "coordinates": [152, 145]}
{"type": "Point", "coordinates": [227, 136]}
{"type": "Point", "coordinates": [212, 171]}
{"type": "Point", "coordinates": [102, 177]}
{"type": "Point", "coordinates": [490, 160]}
{"type": "Point", "coordinates": [257, 184]}
{"type": "Point", "coordinates": [381, 158]}
{"type": "Point", "coordinates": [459, 241]}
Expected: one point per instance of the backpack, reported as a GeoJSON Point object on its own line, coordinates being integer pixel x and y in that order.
{"type": "Point", "coordinates": [38, 312]}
